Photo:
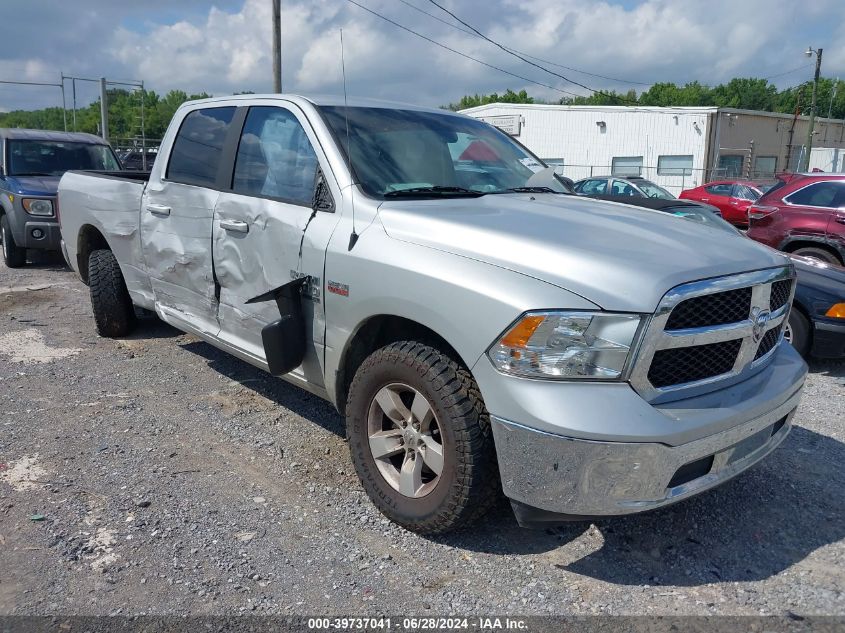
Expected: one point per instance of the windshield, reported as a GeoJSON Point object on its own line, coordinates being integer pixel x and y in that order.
{"type": "Point", "coordinates": [653, 191]}
{"type": "Point", "coordinates": [53, 158]}
{"type": "Point", "coordinates": [408, 152]}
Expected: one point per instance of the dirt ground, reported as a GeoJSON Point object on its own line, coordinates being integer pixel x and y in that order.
{"type": "Point", "coordinates": [156, 475]}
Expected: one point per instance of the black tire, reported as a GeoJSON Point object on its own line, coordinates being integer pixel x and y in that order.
{"type": "Point", "coordinates": [114, 314]}
{"type": "Point", "coordinates": [798, 332]}
{"type": "Point", "coordinates": [821, 254]}
{"type": "Point", "coordinates": [13, 255]}
{"type": "Point", "coordinates": [469, 481]}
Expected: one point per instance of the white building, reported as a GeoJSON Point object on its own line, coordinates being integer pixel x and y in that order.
{"type": "Point", "coordinates": [676, 147]}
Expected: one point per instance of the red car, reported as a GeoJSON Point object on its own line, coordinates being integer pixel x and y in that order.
{"type": "Point", "coordinates": [804, 215]}
{"type": "Point", "coordinates": [731, 197]}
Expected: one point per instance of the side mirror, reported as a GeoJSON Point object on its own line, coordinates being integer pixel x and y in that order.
{"type": "Point", "coordinates": [322, 200]}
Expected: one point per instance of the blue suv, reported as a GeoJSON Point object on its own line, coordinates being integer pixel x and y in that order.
{"type": "Point", "coordinates": [31, 164]}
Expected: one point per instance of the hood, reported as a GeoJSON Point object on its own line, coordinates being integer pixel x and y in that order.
{"type": "Point", "coordinates": [617, 256]}
{"type": "Point", "coordinates": [34, 185]}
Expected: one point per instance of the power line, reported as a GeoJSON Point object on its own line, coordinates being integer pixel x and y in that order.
{"type": "Point", "coordinates": [514, 50]}
{"type": "Point", "coordinates": [528, 61]}
{"type": "Point", "coordinates": [788, 72]}
{"type": "Point", "coordinates": [457, 52]}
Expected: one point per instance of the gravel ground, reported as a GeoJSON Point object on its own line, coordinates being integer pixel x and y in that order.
{"type": "Point", "coordinates": [157, 475]}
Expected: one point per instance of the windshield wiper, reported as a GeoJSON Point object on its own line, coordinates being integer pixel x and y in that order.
{"type": "Point", "coordinates": [437, 190]}
{"type": "Point", "coordinates": [526, 190]}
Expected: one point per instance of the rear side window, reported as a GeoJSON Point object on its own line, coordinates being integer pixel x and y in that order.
{"type": "Point", "coordinates": [821, 194]}
{"type": "Point", "coordinates": [275, 158]}
{"type": "Point", "coordinates": [593, 187]}
{"type": "Point", "coordinates": [196, 151]}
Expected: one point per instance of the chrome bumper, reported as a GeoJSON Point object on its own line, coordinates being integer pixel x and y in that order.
{"type": "Point", "coordinates": [577, 476]}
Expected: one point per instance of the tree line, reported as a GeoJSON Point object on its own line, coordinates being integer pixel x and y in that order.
{"type": "Point", "coordinates": [743, 93]}
{"type": "Point", "coordinates": [124, 114]}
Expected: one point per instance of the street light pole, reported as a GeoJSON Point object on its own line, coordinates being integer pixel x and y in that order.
{"type": "Point", "coordinates": [806, 162]}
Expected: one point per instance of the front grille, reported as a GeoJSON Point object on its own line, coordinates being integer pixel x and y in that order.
{"type": "Point", "coordinates": [770, 339]}
{"type": "Point", "coordinates": [780, 294]}
{"type": "Point", "coordinates": [679, 365]}
{"type": "Point", "coordinates": [719, 308]}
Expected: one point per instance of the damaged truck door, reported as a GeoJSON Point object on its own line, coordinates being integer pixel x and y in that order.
{"type": "Point", "coordinates": [176, 218]}
{"type": "Point", "coordinates": [267, 232]}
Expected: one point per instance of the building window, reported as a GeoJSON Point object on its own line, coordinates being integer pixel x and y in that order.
{"type": "Point", "coordinates": [765, 165]}
{"type": "Point", "coordinates": [674, 165]}
{"type": "Point", "coordinates": [627, 166]}
{"type": "Point", "coordinates": [730, 165]}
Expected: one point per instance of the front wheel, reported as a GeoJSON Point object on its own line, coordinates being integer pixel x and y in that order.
{"type": "Point", "coordinates": [797, 332]}
{"type": "Point", "coordinates": [420, 438]}
{"type": "Point", "coordinates": [13, 255]}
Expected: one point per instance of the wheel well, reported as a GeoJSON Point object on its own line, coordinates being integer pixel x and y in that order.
{"type": "Point", "coordinates": [791, 247]}
{"type": "Point", "coordinates": [90, 239]}
{"type": "Point", "coordinates": [375, 333]}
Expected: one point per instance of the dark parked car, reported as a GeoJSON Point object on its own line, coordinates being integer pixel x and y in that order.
{"type": "Point", "coordinates": [804, 215]}
{"type": "Point", "coordinates": [816, 325]}
{"type": "Point", "coordinates": [134, 160]}
{"type": "Point", "coordinates": [31, 164]}
{"type": "Point", "coordinates": [631, 186]}
{"type": "Point", "coordinates": [732, 197]}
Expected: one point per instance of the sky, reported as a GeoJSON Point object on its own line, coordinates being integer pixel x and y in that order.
{"type": "Point", "coordinates": [224, 46]}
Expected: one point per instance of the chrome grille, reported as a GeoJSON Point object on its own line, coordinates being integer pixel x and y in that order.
{"type": "Point", "coordinates": [721, 307]}
{"type": "Point", "coordinates": [707, 334]}
{"type": "Point", "coordinates": [687, 364]}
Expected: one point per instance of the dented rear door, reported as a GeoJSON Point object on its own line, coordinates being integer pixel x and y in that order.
{"type": "Point", "coordinates": [177, 213]}
{"type": "Point", "coordinates": [266, 231]}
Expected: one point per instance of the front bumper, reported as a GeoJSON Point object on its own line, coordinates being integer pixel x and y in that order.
{"type": "Point", "coordinates": [588, 478]}
{"type": "Point", "coordinates": [828, 339]}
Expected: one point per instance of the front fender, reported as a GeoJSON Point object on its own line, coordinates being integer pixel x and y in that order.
{"type": "Point", "coordinates": [466, 302]}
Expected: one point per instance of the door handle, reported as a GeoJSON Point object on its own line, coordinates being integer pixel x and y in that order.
{"type": "Point", "coordinates": [159, 209]}
{"type": "Point", "coordinates": [236, 226]}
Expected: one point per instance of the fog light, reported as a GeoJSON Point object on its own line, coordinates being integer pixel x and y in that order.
{"type": "Point", "coordinates": [37, 234]}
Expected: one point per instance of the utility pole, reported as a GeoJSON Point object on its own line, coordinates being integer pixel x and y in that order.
{"type": "Point", "coordinates": [277, 46]}
{"type": "Point", "coordinates": [104, 110]}
{"type": "Point", "coordinates": [806, 161]}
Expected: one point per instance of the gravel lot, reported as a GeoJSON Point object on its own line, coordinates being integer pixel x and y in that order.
{"type": "Point", "coordinates": [158, 475]}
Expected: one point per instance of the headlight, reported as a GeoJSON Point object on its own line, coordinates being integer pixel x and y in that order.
{"type": "Point", "coordinates": [563, 345]}
{"type": "Point", "coordinates": [37, 206]}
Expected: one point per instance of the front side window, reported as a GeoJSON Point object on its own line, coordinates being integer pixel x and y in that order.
{"type": "Point", "coordinates": [622, 188]}
{"type": "Point", "coordinates": [821, 194]}
{"type": "Point", "coordinates": [626, 165]}
{"type": "Point", "coordinates": [275, 158]}
{"type": "Point", "coordinates": [195, 156]}
{"type": "Point", "coordinates": [410, 152]}
{"type": "Point", "coordinates": [53, 158]}
{"type": "Point", "coordinates": [719, 190]}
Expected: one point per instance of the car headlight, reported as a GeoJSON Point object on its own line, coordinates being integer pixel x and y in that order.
{"type": "Point", "coordinates": [563, 345]}
{"type": "Point", "coordinates": [37, 206]}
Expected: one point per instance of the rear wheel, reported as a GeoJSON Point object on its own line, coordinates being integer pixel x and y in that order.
{"type": "Point", "coordinates": [13, 255]}
{"type": "Point", "coordinates": [420, 438]}
{"type": "Point", "coordinates": [821, 254]}
{"type": "Point", "coordinates": [797, 332]}
{"type": "Point", "coordinates": [114, 314]}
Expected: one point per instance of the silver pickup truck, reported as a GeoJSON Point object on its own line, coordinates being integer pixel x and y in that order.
{"type": "Point", "coordinates": [479, 330]}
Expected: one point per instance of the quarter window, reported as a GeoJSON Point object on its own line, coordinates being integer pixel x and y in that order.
{"type": "Point", "coordinates": [626, 165]}
{"type": "Point", "coordinates": [196, 151]}
{"type": "Point", "coordinates": [674, 165]}
{"type": "Point", "coordinates": [275, 158]}
{"type": "Point", "coordinates": [821, 194]}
